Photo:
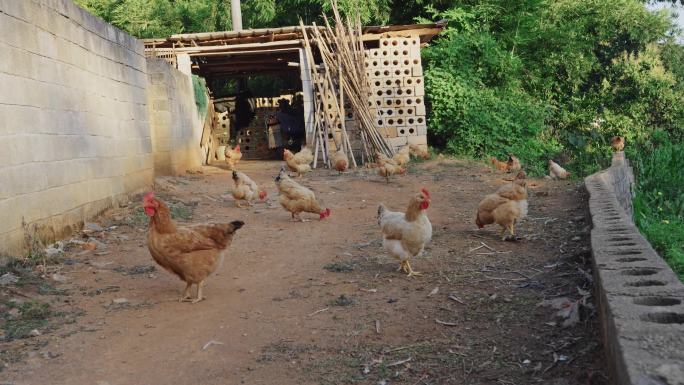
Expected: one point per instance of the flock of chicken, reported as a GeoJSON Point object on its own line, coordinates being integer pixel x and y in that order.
{"type": "Point", "coordinates": [194, 252]}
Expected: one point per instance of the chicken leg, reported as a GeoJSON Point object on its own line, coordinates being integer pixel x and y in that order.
{"type": "Point", "coordinates": [186, 293]}
{"type": "Point", "coordinates": [199, 293]}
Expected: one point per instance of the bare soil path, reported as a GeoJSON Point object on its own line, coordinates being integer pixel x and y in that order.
{"type": "Point", "coordinates": [320, 302]}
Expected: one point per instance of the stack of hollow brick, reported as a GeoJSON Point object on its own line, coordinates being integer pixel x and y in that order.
{"type": "Point", "coordinates": [396, 97]}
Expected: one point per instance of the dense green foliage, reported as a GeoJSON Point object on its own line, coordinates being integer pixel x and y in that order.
{"type": "Point", "coordinates": [547, 78]}
{"type": "Point", "coordinates": [659, 200]}
{"type": "Point", "coordinates": [199, 86]}
{"type": "Point", "coordinates": [162, 18]}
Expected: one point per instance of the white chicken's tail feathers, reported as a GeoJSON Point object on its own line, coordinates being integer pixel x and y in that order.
{"type": "Point", "coordinates": [381, 212]}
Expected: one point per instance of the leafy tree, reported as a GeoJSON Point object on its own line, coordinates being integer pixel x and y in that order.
{"type": "Point", "coordinates": [590, 68]}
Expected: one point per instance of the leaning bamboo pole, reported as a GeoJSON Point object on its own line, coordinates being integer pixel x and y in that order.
{"type": "Point", "coordinates": [344, 74]}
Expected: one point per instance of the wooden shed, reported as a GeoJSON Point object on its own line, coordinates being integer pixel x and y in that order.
{"type": "Point", "coordinates": [393, 70]}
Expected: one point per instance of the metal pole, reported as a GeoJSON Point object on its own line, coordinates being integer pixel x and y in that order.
{"type": "Point", "coordinates": [236, 15]}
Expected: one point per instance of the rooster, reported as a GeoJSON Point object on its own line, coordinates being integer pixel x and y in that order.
{"type": "Point", "coordinates": [513, 163]}
{"type": "Point", "coordinates": [340, 161]}
{"type": "Point", "coordinates": [618, 143]}
{"type": "Point", "coordinates": [294, 164]}
{"type": "Point", "coordinates": [192, 253]}
{"type": "Point", "coordinates": [405, 235]}
{"type": "Point", "coordinates": [556, 171]}
{"type": "Point", "coordinates": [245, 189]}
{"type": "Point", "coordinates": [505, 207]}
{"type": "Point", "coordinates": [516, 190]}
{"type": "Point", "coordinates": [403, 156]}
{"type": "Point", "coordinates": [296, 198]}
{"type": "Point", "coordinates": [496, 209]}
{"type": "Point", "coordinates": [304, 156]}
{"type": "Point", "coordinates": [388, 169]}
{"type": "Point", "coordinates": [499, 165]}
{"type": "Point", "coordinates": [418, 151]}
{"type": "Point", "coordinates": [233, 156]}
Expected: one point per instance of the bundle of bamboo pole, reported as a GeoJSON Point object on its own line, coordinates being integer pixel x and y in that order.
{"type": "Point", "coordinates": [341, 75]}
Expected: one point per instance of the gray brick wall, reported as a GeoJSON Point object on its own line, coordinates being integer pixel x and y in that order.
{"type": "Point", "coordinates": [74, 128]}
{"type": "Point", "coordinates": [640, 299]}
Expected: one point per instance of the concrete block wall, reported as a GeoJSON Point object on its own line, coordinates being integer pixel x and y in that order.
{"type": "Point", "coordinates": [74, 132]}
{"type": "Point", "coordinates": [176, 127]}
{"type": "Point", "coordinates": [640, 299]}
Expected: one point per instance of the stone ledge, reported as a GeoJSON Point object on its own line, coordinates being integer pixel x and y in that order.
{"type": "Point", "coordinates": [640, 299]}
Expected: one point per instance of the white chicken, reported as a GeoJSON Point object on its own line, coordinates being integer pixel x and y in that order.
{"type": "Point", "coordinates": [405, 235]}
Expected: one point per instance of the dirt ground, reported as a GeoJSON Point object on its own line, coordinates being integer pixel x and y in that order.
{"type": "Point", "coordinates": [319, 302]}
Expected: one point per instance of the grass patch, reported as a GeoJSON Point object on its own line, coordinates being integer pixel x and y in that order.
{"type": "Point", "coordinates": [135, 270]}
{"type": "Point", "coordinates": [341, 267]}
{"type": "Point", "coordinates": [32, 315]}
{"type": "Point", "coordinates": [659, 201]}
{"type": "Point", "coordinates": [343, 300]}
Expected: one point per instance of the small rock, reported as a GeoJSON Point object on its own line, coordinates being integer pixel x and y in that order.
{"type": "Point", "coordinates": [672, 373]}
{"type": "Point", "coordinates": [35, 333]}
{"type": "Point", "coordinates": [49, 355]}
{"type": "Point", "coordinates": [13, 313]}
{"type": "Point", "coordinates": [52, 251]}
{"type": "Point", "coordinates": [119, 301]}
{"type": "Point", "coordinates": [576, 238]}
{"type": "Point", "coordinates": [8, 278]}
{"type": "Point", "coordinates": [59, 278]}
{"type": "Point", "coordinates": [100, 264]}
{"type": "Point", "coordinates": [92, 227]}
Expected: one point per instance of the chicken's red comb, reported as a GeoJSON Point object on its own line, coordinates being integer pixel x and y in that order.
{"type": "Point", "coordinates": [148, 196]}
{"type": "Point", "coordinates": [425, 192]}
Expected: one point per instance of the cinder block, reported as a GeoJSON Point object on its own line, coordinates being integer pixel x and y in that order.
{"type": "Point", "coordinates": [402, 131]}
{"type": "Point", "coordinates": [420, 110]}
{"type": "Point", "coordinates": [398, 142]}
{"type": "Point", "coordinates": [419, 90]}
{"type": "Point", "coordinates": [417, 139]}
{"type": "Point", "coordinates": [411, 120]}
{"type": "Point", "coordinates": [422, 129]}
{"type": "Point", "coordinates": [401, 121]}
{"type": "Point", "coordinates": [389, 132]}
{"type": "Point", "coordinates": [417, 70]}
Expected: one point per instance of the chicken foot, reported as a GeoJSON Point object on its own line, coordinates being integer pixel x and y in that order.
{"type": "Point", "coordinates": [406, 268]}
{"type": "Point", "coordinates": [186, 293]}
{"type": "Point", "coordinates": [199, 293]}
{"type": "Point", "coordinates": [511, 229]}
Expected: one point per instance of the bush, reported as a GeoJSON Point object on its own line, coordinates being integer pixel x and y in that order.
{"type": "Point", "coordinates": [659, 199]}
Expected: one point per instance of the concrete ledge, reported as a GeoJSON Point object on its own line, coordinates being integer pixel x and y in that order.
{"type": "Point", "coordinates": [640, 299]}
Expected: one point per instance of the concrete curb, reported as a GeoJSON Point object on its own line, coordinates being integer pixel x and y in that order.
{"type": "Point", "coordinates": [640, 299]}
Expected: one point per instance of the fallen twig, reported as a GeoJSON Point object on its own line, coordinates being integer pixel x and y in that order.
{"type": "Point", "coordinates": [454, 298]}
{"type": "Point", "coordinates": [446, 323]}
{"type": "Point", "coordinates": [477, 248]}
{"type": "Point", "coordinates": [318, 311]}
{"type": "Point", "coordinates": [397, 363]}
{"type": "Point", "coordinates": [506, 279]}
{"type": "Point", "coordinates": [212, 342]}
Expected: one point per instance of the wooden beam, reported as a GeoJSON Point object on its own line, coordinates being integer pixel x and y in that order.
{"type": "Point", "coordinates": [241, 47]}
{"type": "Point", "coordinates": [429, 32]}
{"type": "Point", "coordinates": [229, 53]}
